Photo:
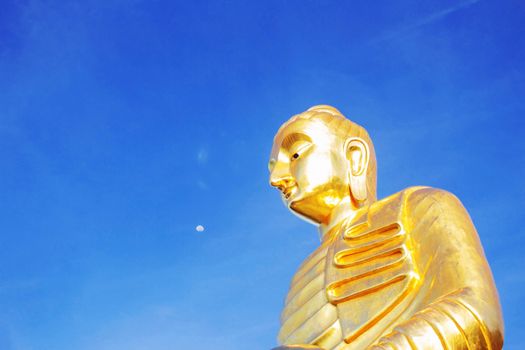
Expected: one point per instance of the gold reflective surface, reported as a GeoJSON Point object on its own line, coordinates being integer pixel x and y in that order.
{"type": "Point", "coordinates": [405, 272]}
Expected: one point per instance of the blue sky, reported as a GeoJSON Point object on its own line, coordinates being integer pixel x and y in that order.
{"type": "Point", "coordinates": [124, 124]}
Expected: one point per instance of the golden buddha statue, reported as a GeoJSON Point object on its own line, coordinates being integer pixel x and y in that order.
{"type": "Point", "coordinates": [404, 272]}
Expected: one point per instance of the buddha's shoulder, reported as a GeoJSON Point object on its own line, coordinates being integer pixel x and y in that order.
{"type": "Point", "coordinates": [417, 194]}
{"type": "Point", "coordinates": [419, 199]}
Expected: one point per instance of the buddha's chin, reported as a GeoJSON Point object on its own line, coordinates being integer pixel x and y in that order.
{"type": "Point", "coordinates": [306, 209]}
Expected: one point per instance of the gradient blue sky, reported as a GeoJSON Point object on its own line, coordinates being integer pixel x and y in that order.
{"type": "Point", "coordinates": [124, 124]}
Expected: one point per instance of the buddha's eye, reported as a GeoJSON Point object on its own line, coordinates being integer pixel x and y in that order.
{"type": "Point", "coordinates": [299, 150]}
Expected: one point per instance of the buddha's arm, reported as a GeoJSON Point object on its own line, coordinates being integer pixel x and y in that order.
{"type": "Point", "coordinates": [460, 303]}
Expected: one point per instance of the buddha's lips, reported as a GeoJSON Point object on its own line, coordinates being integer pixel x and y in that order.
{"type": "Point", "coordinates": [287, 192]}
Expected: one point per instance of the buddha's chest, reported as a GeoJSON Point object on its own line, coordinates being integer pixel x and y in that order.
{"type": "Point", "coordinates": [348, 286]}
{"type": "Point", "coordinates": [371, 277]}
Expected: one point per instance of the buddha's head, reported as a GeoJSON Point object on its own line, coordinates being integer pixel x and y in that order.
{"type": "Point", "coordinates": [319, 160]}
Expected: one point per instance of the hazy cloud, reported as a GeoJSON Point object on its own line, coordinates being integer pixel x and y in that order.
{"type": "Point", "coordinates": [202, 156]}
{"type": "Point", "coordinates": [432, 18]}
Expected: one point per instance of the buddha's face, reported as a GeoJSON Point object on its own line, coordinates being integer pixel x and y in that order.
{"type": "Point", "coordinates": [309, 167]}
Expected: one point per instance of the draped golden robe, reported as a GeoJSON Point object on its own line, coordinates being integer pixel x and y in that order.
{"type": "Point", "coordinates": [407, 272]}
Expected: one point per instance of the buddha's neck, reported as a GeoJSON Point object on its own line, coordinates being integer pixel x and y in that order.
{"type": "Point", "coordinates": [344, 210]}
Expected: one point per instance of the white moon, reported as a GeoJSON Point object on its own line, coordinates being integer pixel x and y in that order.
{"type": "Point", "coordinates": [199, 228]}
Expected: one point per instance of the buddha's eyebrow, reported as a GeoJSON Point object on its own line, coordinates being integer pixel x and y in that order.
{"type": "Point", "coordinates": [289, 140]}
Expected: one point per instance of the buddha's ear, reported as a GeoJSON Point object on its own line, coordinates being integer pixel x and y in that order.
{"type": "Point", "coordinates": [357, 154]}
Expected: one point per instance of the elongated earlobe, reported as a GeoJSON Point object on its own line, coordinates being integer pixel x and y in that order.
{"type": "Point", "coordinates": [357, 154]}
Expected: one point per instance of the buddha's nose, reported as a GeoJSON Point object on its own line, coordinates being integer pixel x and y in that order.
{"type": "Point", "coordinates": [281, 181]}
